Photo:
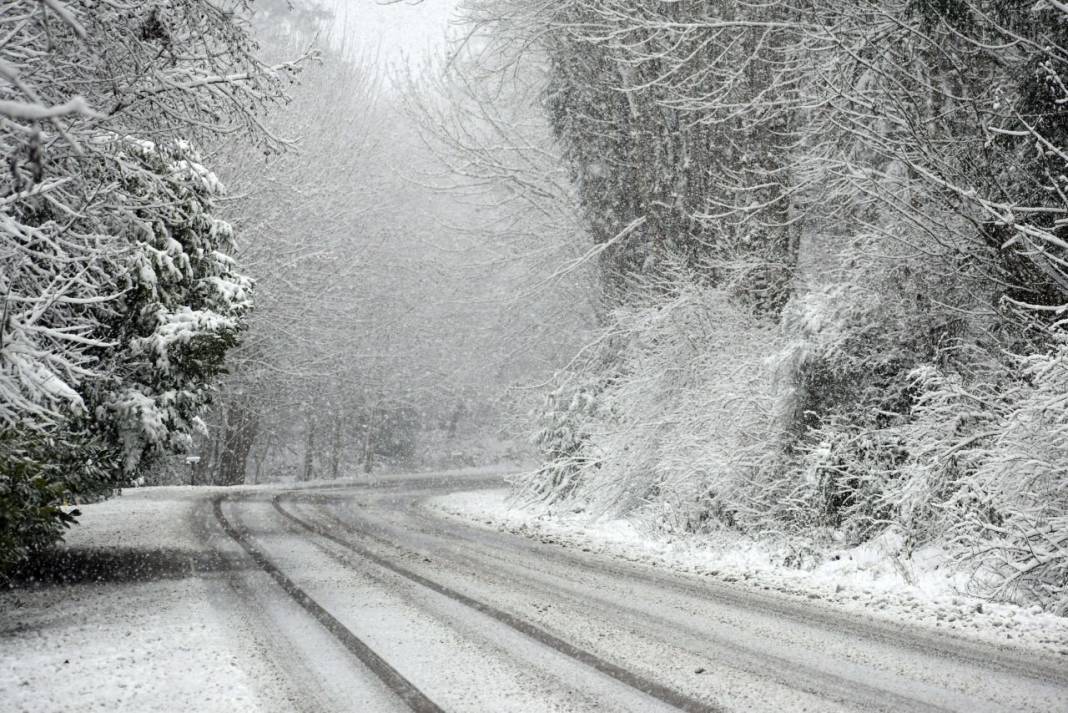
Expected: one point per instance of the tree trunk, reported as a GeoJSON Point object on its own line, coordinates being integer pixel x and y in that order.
{"type": "Point", "coordinates": [259, 455]}
{"type": "Point", "coordinates": [368, 445]}
{"type": "Point", "coordinates": [454, 419]}
{"type": "Point", "coordinates": [309, 450]}
{"type": "Point", "coordinates": [335, 458]}
{"type": "Point", "coordinates": [239, 433]}
{"type": "Point", "coordinates": [202, 472]}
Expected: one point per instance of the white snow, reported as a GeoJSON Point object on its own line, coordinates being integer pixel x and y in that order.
{"type": "Point", "coordinates": [36, 111]}
{"type": "Point", "coordinates": [871, 580]}
{"type": "Point", "coordinates": [121, 647]}
{"type": "Point", "coordinates": [161, 644]}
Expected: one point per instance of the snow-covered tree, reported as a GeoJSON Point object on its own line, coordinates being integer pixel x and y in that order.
{"type": "Point", "coordinates": [119, 300]}
{"type": "Point", "coordinates": [886, 180]}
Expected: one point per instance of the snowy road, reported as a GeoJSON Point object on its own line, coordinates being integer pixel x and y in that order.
{"type": "Point", "coordinates": [447, 617]}
{"type": "Point", "coordinates": [363, 598]}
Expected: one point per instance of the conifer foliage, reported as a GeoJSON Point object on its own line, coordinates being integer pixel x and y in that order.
{"type": "Point", "coordinates": [118, 299]}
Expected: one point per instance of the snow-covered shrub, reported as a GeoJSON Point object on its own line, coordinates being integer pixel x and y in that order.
{"type": "Point", "coordinates": [848, 370]}
{"type": "Point", "coordinates": [943, 439]}
{"type": "Point", "coordinates": [562, 439]}
{"type": "Point", "coordinates": [946, 439]}
{"type": "Point", "coordinates": [43, 478]}
{"type": "Point", "coordinates": [983, 471]}
{"type": "Point", "coordinates": [671, 415]}
{"type": "Point", "coordinates": [1010, 511]}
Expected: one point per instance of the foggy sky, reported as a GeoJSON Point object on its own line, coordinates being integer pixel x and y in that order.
{"type": "Point", "coordinates": [395, 30]}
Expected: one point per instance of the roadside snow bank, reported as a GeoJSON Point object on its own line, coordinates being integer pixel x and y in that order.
{"type": "Point", "coordinates": [871, 580]}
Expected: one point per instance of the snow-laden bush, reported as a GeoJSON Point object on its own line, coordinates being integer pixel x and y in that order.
{"type": "Point", "coordinates": [562, 438]}
{"type": "Point", "coordinates": [987, 474]}
{"type": "Point", "coordinates": [850, 388]}
{"type": "Point", "coordinates": [877, 408]}
{"type": "Point", "coordinates": [1016, 525]}
{"type": "Point", "coordinates": [671, 414]}
{"type": "Point", "coordinates": [901, 418]}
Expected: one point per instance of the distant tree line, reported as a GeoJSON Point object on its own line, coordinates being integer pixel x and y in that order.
{"type": "Point", "coordinates": [373, 343]}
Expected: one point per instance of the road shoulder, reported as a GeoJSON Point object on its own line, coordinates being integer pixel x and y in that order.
{"type": "Point", "coordinates": [128, 618]}
{"type": "Point", "coordinates": [866, 585]}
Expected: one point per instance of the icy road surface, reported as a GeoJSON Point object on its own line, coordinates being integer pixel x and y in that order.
{"type": "Point", "coordinates": [359, 598]}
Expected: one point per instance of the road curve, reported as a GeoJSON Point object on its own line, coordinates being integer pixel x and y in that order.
{"type": "Point", "coordinates": [455, 618]}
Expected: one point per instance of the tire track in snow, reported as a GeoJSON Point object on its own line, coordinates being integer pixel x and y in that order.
{"type": "Point", "coordinates": [830, 687]}
{"type": "Point", "coordinates": [415, 699]}
{"type": "Point", "coordinates": [655, 690]}
{"type": "Point", "coordinates": [988, 656]}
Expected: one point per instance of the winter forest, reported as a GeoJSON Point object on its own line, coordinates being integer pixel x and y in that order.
{"type": "Point", "coordinates": [796, 271]}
